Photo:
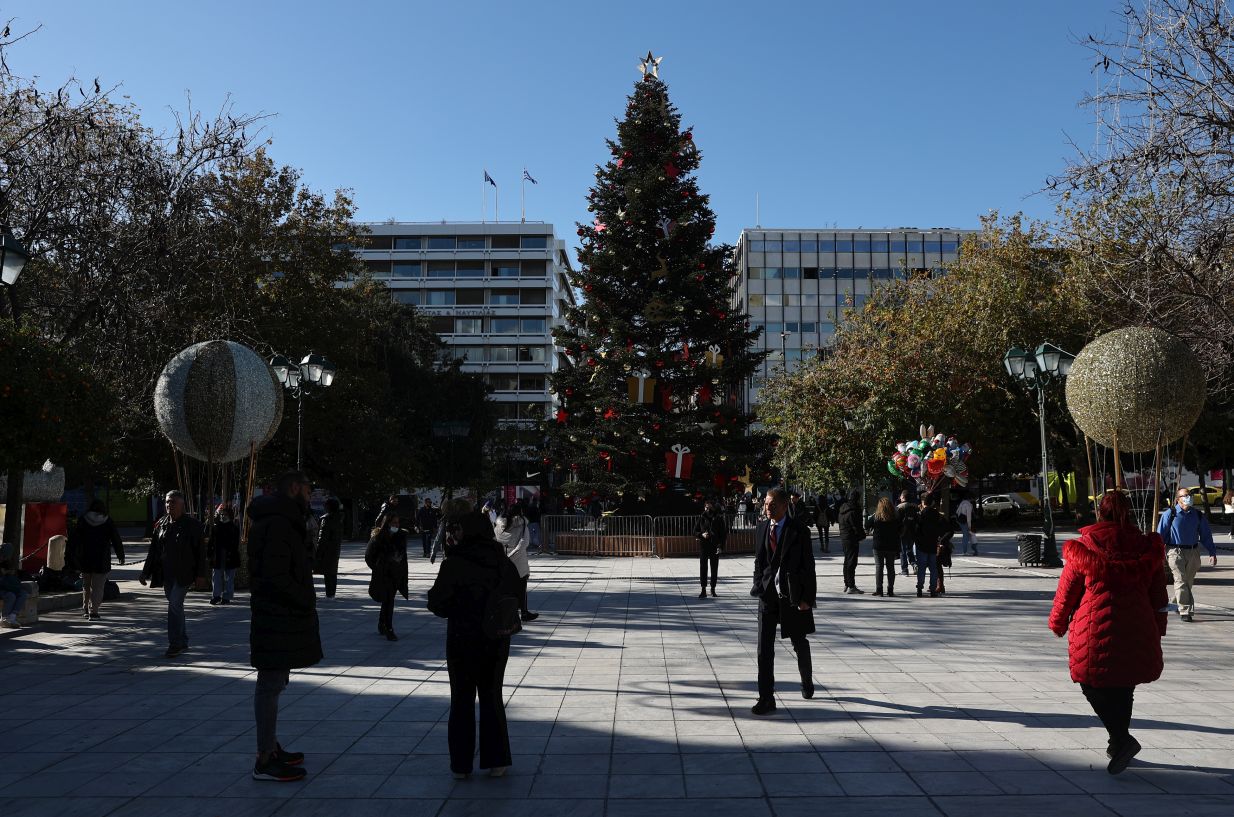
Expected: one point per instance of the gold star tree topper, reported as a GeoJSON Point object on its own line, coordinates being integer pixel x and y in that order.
{"type": "Point", "coordinates": [650, 65]}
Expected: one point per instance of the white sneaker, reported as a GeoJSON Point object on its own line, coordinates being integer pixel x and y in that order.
{"type": "Point", "coordinates": [10, 623]}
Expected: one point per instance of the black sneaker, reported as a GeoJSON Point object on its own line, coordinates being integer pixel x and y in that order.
{"type": "Point", "coordinates": [95, 617]}
{"type": "Point", "coordinates": [225, 601]}
{"type": "Point", "coordinates": [286, 757]}
{"type": "Point", "coordinates": [920, 594]}
{"type": "Point", "coordinates": [807, 689]}
{"type": "Point", "coordinates": [1123, 753]}
{"type": "Point", "coordinates": [277, 771]}
{"type": "Point", "coordinates": [172, 652]}
{"type": "Point", "coordinates": [702, 594]}
{"type": "Point", "coordinates": [763, 708]}
{"type": "Point", "coordinates": [390, 636]}
{"type": "Point", "coordinates": [1188, 617]}
{"type": "Point", "coordinates": [215, 600]}
{"type": "Point", "coordinates": [857, 590]}
{"type": "Point", "coordinates": [530, 616]}
{"type": "Point", "coordinates": [713, 592]}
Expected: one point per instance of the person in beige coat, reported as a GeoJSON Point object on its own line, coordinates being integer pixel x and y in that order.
{"type": "Point", "coordinates": [513, 536]}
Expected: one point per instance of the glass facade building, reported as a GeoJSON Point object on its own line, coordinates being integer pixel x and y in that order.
{"type": "Point", "coordinates": [797, 285]}
{"type": "Point", "coordinates": [493, 291]}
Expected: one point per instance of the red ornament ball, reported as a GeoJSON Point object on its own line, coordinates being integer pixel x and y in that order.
{"type": "Point", "coordinates": [700, 278]}
{"type": "Point", "coordinates": [688, 135]}
{"type": "Point", "coordinates": [591, 361]}
{"type": "Point", "coordinates": [655, 426]}
{"type": "Point", "coordinates": [588, 288]}
{"type": "Point", "coordinates": [659, 364]}
{"type": "Point", "coordinates": [671, 170]}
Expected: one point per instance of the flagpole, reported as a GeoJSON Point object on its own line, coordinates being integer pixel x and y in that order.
{"type": "Point", "coordinates": [522, 198]}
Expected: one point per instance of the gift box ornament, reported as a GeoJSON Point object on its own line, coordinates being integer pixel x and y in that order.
{"type": "Point", "coordinates": [679, 462]}
{"type": "Point", "coordinates": [642, 387]}
{"type": "Point", "coordinates": [713, 356]}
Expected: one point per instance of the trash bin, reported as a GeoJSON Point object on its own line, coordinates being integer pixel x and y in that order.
{"type": "Point", "coordinates": [1030, 546]}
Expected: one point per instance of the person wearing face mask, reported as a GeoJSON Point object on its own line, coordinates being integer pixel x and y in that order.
{"type": "Point", "coordinates": [284, 633]}
{"type": "Point", "coordinates": [1184, 529]}
{"type": "Point", "coordinates": [175, 561]}
{"type": "Point", "coordinates": [224, 554]}
{"type": "Point", "coordinates": [386, 555]}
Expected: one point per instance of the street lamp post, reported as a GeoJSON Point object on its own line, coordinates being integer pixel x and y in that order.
{"type": "Point", "coordinates": [1047, 365]}
{"type": "Point", "coordinates": [313, 372]}
{"type": "Point", "coordinates": [13, 258]}
{"type": "Point", "coordinates": [451, 430]}
{"type": "Point", "coordinates": [852, 425]}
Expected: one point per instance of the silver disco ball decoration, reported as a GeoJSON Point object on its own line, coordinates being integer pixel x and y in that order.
{"type": "Point", "coordinates": [44, 485]}
{"type": "Point", "coordinates": [216, 400]}
{"type": "Point", "coordinates": [1139, 385]}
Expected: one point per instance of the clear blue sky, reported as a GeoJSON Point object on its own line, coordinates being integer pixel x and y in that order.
{"type": "Point", "coordinates": [859, 113]}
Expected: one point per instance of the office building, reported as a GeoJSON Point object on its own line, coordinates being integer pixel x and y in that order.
{"type": "Point", "coordinates": [796, 284]}
{"type": "Point", "coordinates": [493, 291]}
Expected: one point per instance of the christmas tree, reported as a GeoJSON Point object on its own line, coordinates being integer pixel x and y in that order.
{"type": "Point", "coordinates": [656, 353]}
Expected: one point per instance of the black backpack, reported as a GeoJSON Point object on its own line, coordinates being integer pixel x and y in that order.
{"type": "Point", "coordinates": [502, 611]}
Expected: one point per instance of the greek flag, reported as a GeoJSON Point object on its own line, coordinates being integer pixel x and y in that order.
{"type": "Point", "coordinates": [489, 179]}
{"type": "Point", "coordinates": [527, 176]}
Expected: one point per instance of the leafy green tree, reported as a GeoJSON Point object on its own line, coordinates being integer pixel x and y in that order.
{"type": "Point", "coordinates": [658, 306]}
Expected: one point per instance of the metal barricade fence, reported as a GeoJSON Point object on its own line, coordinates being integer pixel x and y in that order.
{"type": "Point", "coordinates": [663, 536]}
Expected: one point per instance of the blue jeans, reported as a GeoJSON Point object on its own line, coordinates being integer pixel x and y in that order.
{"type": "Point", "coordinates": [927, 560]}
{"type": "Point", "coordinates": [533, 535]}
{"type": "Point", "coordinates": [966, 539]}
{"type": "Point", "coordinates": [177, 635]}
{"type": "Point", "coordinates": [13, 602]}
{"type": "Point", "coordinates": [224, 583]}
{"type": "Point", "coordinates": [906, 554]}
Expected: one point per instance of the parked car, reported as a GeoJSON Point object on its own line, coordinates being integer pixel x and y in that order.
{"type": "Point", "coordinates": [998, 506]}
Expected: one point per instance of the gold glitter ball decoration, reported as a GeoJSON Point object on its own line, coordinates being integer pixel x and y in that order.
{"type": "Point", "coordinates": [1138, 384]}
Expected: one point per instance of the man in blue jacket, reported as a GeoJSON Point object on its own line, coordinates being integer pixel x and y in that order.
{"type": "Point", "coordinates": [1184, 529]}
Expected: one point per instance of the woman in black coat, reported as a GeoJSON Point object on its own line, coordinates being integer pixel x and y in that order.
{"type": "Point", "coordinates": [886, 531]}
{"type": "Point", "coordinates": [386, 554]}
{"type": "Point", "coordinates": [224, 553]}
{"type": "Point", "coordinates": [852, 531]}
{"type": "Point", "coordinates": [711, 530]}
{"type": "Point", "coordinates": [89, 550]}
{"type": "Point", "coordinates": [329, 545]}
{"type": "Point", "coordinates": [476, 569]}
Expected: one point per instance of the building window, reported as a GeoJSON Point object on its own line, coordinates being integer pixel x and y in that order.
{"type": "Point", "coordinates": [531, 354]}
{"type": "Point", "coordinates": [792, 246]}
{"type": "Point", "coordinates": [534, 326]}
{"type": "Point", "coordinates": [861, 245]}
{"type": "Point", "coordinates": [407, 296]}
{"type": "Point", "coordinates": [758, 246]}
{"type": "Point", "coordinates": [441, 242]}
{"type": "Point", "coordinates": [469, 297]}
{"type": "Point", "coordinates": [534, 242]}
{"type": "Point", "coordinates": [844, 245]}
{"type": "Point", "coordinates": [756, 300]}
{"type": "Point", "coordinates": [755, 273]}
{"type": "Point", "coordinates": [470, 242]}
{"type": "Point", "coordinates": [504, 269]}
{"type": "Point", "coordinates": [406, 269]}
{"type": "Point", "coordinates": [442, 325]}
{"type": "Point", "coordinates": [809, 273]}
{"type": "Point", "coordinates": [899, 245]}
{"type": "Point", "coordinates": [531, 382]}
{"type": "Point", "coordinates": [439, 297]}
{"type": "Point", "coordinates": [503, 297]}
{"type": "Point", "coordinates": [503, 382]}
{"type": "Point", "coordinates": [879, 245]}
{"type": "Point", "coordinates": [468, 326]}
{"type": "Point", "coordinates": [501, 354]}
{"type": "Point", "coordinates": [440, 269]}
{"type": "Point", "coordinates": [378, 269]}
{"type": "Point", "coordinates": [470, 269]}
{"type": "Point", "coordinates": [809, 246]}
{"type": "Point", "coordinates": [535, 297]}
{"type": "Point", "coordinates": [534, 269]}
{"type": "Point", "coordinates": [407, 243]}
{"type": "Point", "coordinates": [773, 299]}
{"type": "Point", "coordinates": [504, 242]}
{"type": "Point", "coordinates": [773, 329]}
{"type": "Point", "coordinates": [505, 326]}
{"type": "Point", "coordinates": [826, 245]}
{"type": "Point", "coordinates": [951, 246]}
{"type": "Point", "coordinates": [378, 242]}
{"type": "Point", "coordinates": [883, 274]}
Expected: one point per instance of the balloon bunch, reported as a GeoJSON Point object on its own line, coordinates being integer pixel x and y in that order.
{"type": "Point", "coordinates": [931, 459]}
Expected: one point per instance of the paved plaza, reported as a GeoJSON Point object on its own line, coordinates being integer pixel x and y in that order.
{"type": "Point", "coordinates": [629, 697]}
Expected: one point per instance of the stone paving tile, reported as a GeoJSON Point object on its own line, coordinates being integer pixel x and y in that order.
{"type": "Point", "coordinates": [629, 696]}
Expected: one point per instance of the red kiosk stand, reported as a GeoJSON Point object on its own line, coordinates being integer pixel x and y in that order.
{"type": "Point", "coordinates": [42, 520]}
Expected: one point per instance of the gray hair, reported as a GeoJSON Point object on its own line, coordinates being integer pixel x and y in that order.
{"type": "Point", "coordinates": [173, 494]}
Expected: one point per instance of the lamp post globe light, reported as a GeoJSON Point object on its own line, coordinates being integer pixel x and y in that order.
{"type": "Point", "coordinates": [303, 379]}
{"type": "Point", "coordinates": [13, 258]}
{"type": "Point", "coordinates": [1039, 369]}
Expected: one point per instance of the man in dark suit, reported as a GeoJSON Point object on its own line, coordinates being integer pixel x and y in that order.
{"type": "Point", "coordinates": [785, 587]}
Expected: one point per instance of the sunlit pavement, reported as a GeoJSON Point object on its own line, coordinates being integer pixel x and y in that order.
{"type": "Point", "coordinates": [629, 696]}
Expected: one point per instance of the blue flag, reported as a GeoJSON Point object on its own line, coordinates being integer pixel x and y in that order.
{"type": "Point", "coordinates": [527, 176]}
{"type": "Point", "coordinates": [489, 179]}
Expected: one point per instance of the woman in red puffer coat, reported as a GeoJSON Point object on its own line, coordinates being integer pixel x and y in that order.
{"type": "Point", "coordinates": [1112, 599]}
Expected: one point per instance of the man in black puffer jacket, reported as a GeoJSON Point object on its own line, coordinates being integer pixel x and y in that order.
{"type": "Point", "coordinates": [284, 633]}
{"type": "Point", "coordinates": [852, 531]}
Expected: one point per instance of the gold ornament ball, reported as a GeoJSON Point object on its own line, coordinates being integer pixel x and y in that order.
{"type": "Point", "coordinates": [1138, 384]}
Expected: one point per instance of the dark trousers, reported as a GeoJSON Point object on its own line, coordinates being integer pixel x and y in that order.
{"type": "Point", "coordinates": [331, 580]}
{"type": "Point", "coordinates": [768, 623]}
{"type": "Point", "coordinates": [477, 668]}
{"type": "Point", "coordinates": [851, 549]}
{"type": "Point", "coordinates": [824, 538]}
{"type": "Point", "coordinates": [522, 593]}
{"type": "Point", "coordinates": [928, 561]}
{"type": "Point", "coordinates": [884, 563]}
{"type": "Point", "coordinates": [709, 556]}
{"type": "Point", "coordinates": [426, 540]}
{"type": "Point", "coordinates": [385, 619]}
{"type": "Point", "coordinates": [906, 554]}
{"type": "Point", "coordinates": [270, 683]}
{"type": "Point", "coordinates": [1113, 707]}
